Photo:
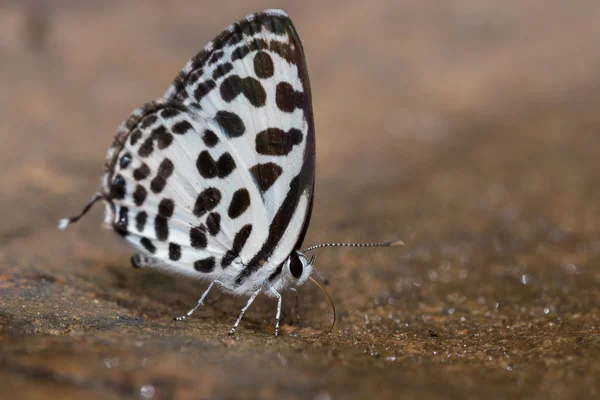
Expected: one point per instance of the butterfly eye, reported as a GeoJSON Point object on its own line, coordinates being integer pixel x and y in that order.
{"type": "Point", "coordinates": [296, 266]}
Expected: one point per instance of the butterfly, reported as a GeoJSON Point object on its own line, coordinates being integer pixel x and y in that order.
{"type": "Point", "coordinates": [215, 179]}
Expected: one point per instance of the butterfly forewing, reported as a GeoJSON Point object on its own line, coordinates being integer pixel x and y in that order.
{"type": "Point", "coordinates": [217, 176]}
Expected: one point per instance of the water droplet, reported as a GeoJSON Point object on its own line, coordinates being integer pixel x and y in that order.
{"type": "Point", "coordinates": [323, 396]}
{"type": "Point", "coordinates": [282, 359]}
{"type": "Point", "coordinates": [111, 362]}
{"type": "Point", "coordinates": [571, 269]}
{"type": "Point", "coordinates": [147, 391]}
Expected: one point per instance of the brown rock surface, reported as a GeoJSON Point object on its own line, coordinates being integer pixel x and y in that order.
{"type": "Point", "coordinates": [469, 129]}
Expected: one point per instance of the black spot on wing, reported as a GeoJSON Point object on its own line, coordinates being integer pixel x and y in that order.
{"type": "Point", "coordinates": [231, 123]}
{"type": "Point", "coordinates": [181, 127]}
{"type": "Point", "coordinates": [265, 175]}
{"type": "Point", "coordinates": [162, 137]}
{"type": "Point", "coordinates": [166, 207]}
{"type": "Point", "coordinates": [198, 60]}
{"type": "Point", "coordinates": [182, 96]}
{"type": "Point", "coordinates": [169, 113]}
{"type": "Point", "coordinates": [284, 97]}
{"type": "Point", "coordinates": [121, 225]}
{"type": "Point", "coordinates": [118, 188]}
{"type": "Point", "coordinates": [148, 121]}
{"type": "Point", "coordinates": [254, 45]}
{"type": "Point", "coordinates": [209, 138]}
{"type": "Point", "coordinates": [141, 172]}
{"type": "Point", "coordinates": [240, 53]}
{"type": "Point", "coordinates": [213, 223]}
{"type": "Point", "coordinates": [139, 195]}
{"type": "Point", "coordinates": [146, 148]}
{"type": "Point", "coordinates": [174, 251]}
{"type": "Point", "coordinates": [252, 89]}
{"type": "Point", "coordinates": [161, 227]}
{"type": "Point", "coordinates": [288, 99]}
{"type": "Point", "coordinates": [263, 65]}
{"type": "Point", "coordinates": [203, 89]}
{"type": "Point", "coordinates": [165, 170]}
{"type": "Point", "coordinates": [284, 50]}
{"type": "Point", "coordinates": [178, 83]}
{"type": "Point", "coordinates": [230, 88]}
{"type": "Point", "coordinates": [258, 44]}
{"type": "Point", "coordinates": [215, 57]}
{"type": "Point", "coordinates": [239, 241]}
{"type": "Point", "coordinates": [195, 77]}
{"type": "Point", "coordinates": [235, 38]}
{"type": "Point", "coordinates": [276, 142]}
{"type": "Point", "coordinates": [135, 136]}
{"type": "Point", "coordinates": [239, 203]}
{"type": "Point", "coordinates": [148, 245]}
{"type": "Point", "coordinates": [277, 26]}
{"type": "Point", "coordinates": [136, 261]}
{"type": "Point", "coordinates": [209, 168]}
{"type": "Point", "coordinates": [205, 265]}
{"type": "Point", "coordinates": [207, 200]}
{"type": "Point", "coordinates": [222, 70]}
{"type": "Point", "coordinates": [251, 27]}
{"type": "Point", "coordinates": [140, 220]}
{"type": "Point", "coordinates": [254, 92]}
{"type": "Point", "coordinates": [125, 160]}
{"type": "Point", "coordinates": [197, 238]}
{"type": "Point", "coordinates": [225, 165]}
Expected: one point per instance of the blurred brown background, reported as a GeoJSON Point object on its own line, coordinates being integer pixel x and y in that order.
{"type": "Point", "coordinates": [468, 128]}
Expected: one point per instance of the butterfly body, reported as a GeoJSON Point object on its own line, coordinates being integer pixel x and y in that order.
{"type": "Point", "coordinates": [215, 179]}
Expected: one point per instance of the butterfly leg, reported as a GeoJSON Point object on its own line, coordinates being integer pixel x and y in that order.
{"type": "Point", "coordinates": [276, 294]}
{"type": "Point", "coordinates": [200, 302]}
{"type": "Point", "coordinates": [296, 304]}
{"type": "Point", "coordinates": [250, 301]}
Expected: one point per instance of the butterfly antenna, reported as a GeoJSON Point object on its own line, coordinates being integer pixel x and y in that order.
{"type": "Point", "coordinates": [384, 244]}
{"type": "Point", "coordinates": [330, 300]}
{"type": "Point", "coordinates": [63, 223]}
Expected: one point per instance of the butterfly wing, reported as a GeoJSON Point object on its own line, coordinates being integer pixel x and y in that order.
{"type": "Point", "coordinates": [220, 170]}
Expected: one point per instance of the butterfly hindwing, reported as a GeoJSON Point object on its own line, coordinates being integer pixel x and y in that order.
{"type": "Point", "coordinates": [222, 167]}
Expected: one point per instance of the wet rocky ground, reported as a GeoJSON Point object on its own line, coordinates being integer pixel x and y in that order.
{"type": "Point", "coordinates": [470, 131]}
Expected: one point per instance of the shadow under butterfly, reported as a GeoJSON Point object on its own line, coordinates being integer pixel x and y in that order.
{"type": "Point", "coordinates": [215, 179]}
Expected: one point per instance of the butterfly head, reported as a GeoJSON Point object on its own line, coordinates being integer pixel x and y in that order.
{"type": "Point", "coordinates": [298, 267]}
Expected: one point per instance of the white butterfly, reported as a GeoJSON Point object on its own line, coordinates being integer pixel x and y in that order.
{"type": "Point", "coordinates": [215, 179]}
